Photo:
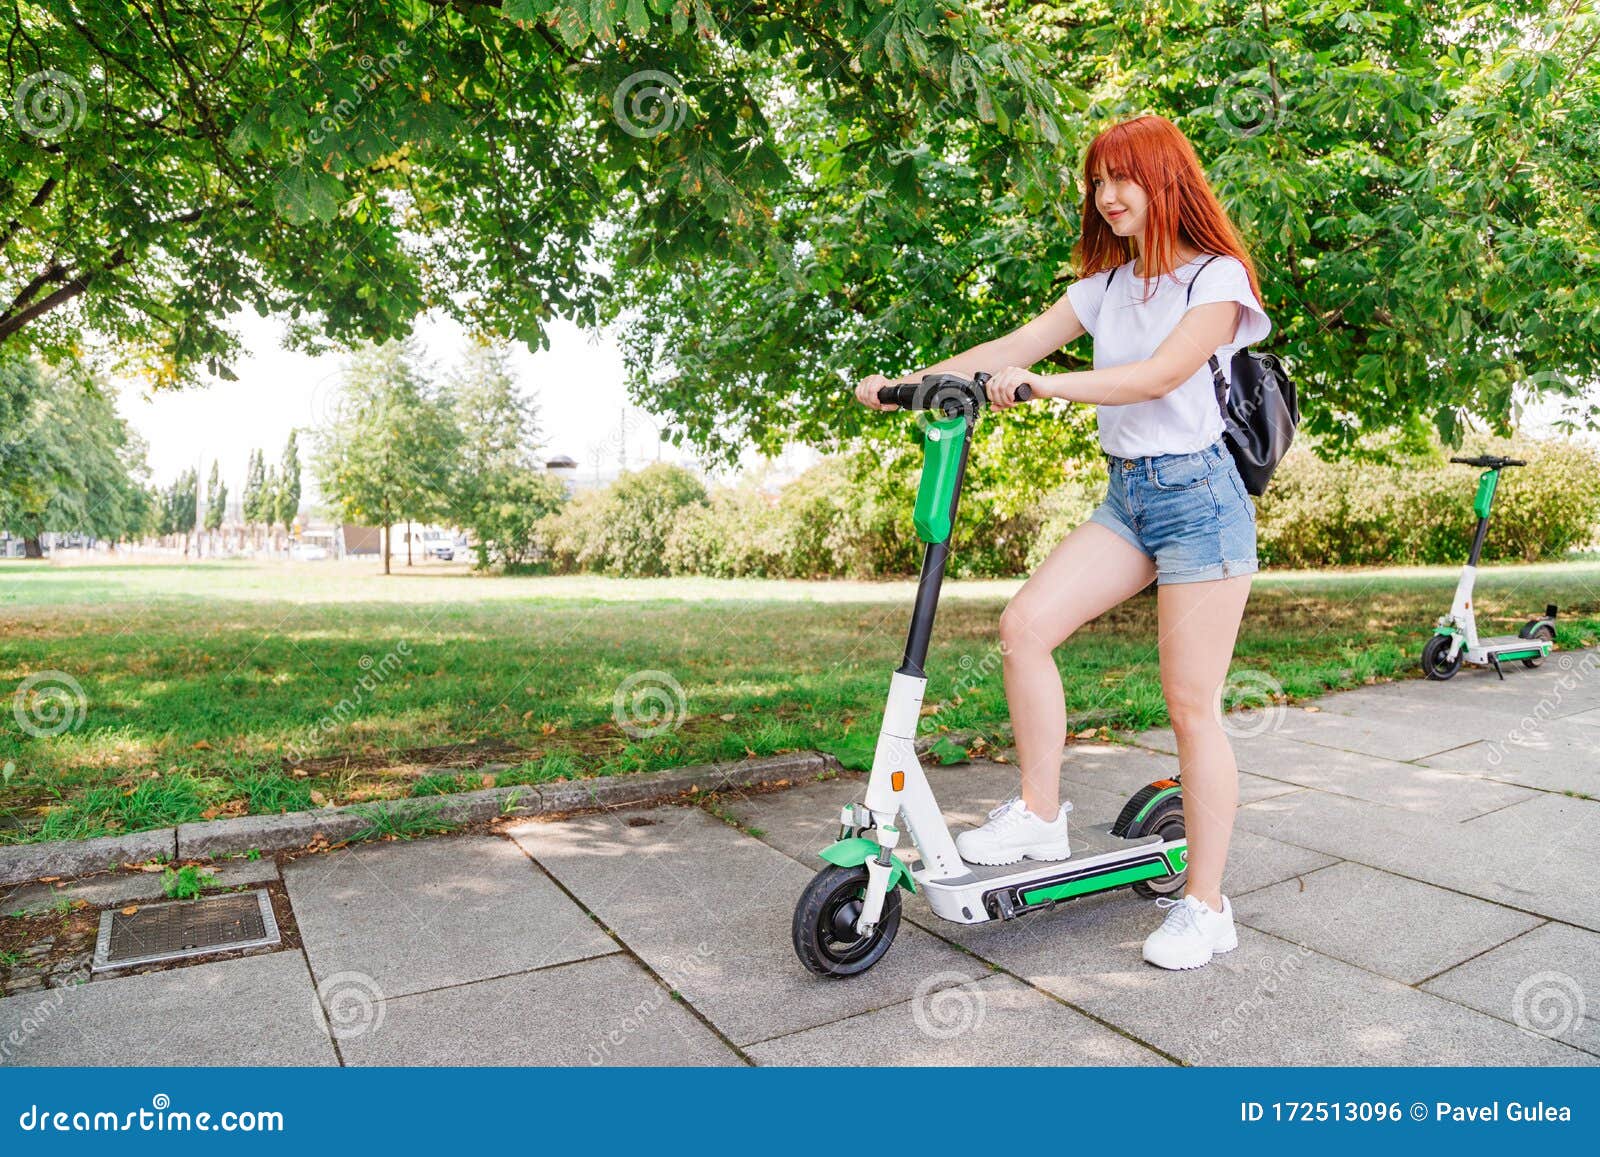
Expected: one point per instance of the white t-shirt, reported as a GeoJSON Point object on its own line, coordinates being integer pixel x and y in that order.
{"type": "Point", "coordinates": [1126, 329]}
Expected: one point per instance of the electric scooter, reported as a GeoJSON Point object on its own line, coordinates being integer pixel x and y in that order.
{"type": "Point", "coordinates": [1455, 640]}
{"type": "Point", "coordinates": [848, 915]}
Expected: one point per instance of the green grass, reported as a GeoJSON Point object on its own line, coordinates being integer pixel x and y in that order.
{"type": "Point", "coordinates": [198, 681]}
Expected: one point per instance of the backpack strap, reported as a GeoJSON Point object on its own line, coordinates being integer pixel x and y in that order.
{"type": "Point", "coordinates": [1217, 381]}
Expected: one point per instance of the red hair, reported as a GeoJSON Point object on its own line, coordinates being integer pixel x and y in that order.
{"type": "Point", "coordinates": [1152, 152]}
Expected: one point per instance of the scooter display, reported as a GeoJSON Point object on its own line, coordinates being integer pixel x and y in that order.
{"type": "Point", "coordinates": [847, 917]}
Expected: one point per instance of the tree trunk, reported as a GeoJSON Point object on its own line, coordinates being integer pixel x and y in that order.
{"type": "Point", "coordinates": [31, 548]}
{"type": "Point", "coordinates": [386, 548]}
{"type": "Point", "coordinates": [408, 542]}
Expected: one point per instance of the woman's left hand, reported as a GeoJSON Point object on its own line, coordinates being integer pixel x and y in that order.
{"type": "Point", "coordinates": [1002, 387]}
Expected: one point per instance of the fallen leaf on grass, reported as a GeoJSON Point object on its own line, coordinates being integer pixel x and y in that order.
{"type": "Point", "coordinates": [130, 909]}
{"type": "Point", "coordinates": [1086, 733]}
{"type": "Point", "coordinates": [728, 718]}
{"type": "Point", "coordinates": [319, 799]}
{"type": "Point", "coordinates": [201, 746]}
{"type": "Point", "coordinates": [487, 781]}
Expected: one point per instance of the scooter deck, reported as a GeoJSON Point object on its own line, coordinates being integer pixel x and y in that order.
{"type": "Point", "coordinates": [1099, 861]}
{"type": "Point", "coordinates": [1088, 843]}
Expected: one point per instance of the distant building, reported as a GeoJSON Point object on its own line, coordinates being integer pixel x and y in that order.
{"type": "Point", "coordinates": [565, 469]}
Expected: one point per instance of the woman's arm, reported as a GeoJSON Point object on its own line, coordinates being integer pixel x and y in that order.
{"type": "Point", "coordinates": [1023, 346]}
{"type": "Point", "coordinates": [1200, 333]}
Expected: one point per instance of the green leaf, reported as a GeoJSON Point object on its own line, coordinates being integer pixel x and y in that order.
{"type": "Point", "coordinates": [852, 755]}
{"type": "Point", "coordinates": [947, 751]}
{"type": "Point", "coordinates": [638, 17]}
{"type": "Point", "coordinates": [526, 11]}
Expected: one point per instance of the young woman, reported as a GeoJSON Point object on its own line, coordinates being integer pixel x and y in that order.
{"type": "Point", "coordinates": [1165, 284]}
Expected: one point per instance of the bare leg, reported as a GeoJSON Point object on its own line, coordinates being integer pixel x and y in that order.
{"type": "Point", "coordinates": [1198, 624]}
{"type": "Point", "coordinates": [1092, 571]}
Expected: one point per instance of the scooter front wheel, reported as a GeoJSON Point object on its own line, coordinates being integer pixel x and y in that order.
{"type": "Point", "coordinates": [825, 937]}
{"type": "Point", "coordinates": [1436, 663]}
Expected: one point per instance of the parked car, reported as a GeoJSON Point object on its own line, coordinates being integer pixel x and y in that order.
{"type": "Point", "coordinates": [308, 552]}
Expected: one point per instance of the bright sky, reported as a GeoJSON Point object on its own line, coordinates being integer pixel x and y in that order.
{"type": "Point", "coordinates": [577, 384]}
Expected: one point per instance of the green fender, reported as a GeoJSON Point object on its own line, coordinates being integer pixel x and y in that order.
{"type": "Point", "coordinates": [855, 852]}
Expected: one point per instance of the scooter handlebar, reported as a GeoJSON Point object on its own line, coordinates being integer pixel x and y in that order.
{"type": "Point", "coordinates": [1490, 461]}
{"type": "Point", "coordinates": [948, 392]}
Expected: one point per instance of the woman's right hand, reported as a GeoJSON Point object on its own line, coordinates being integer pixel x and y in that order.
{"type": "Point", "coordinates": [867, 391]}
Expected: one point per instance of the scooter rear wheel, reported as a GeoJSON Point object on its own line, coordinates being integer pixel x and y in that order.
{"type": "Point", "coordinates": [825, 938]}
{"type": "Point", "coordinates": [1435, 661]}
{"type": "Point", "coordinates": [1166, 822]}
{"type": "Point", "coordinates": [1537, 630]}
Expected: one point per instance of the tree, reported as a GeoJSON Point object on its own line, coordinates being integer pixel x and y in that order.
{"type": "Point", "coordinates": [68, 462]}
{"type": "Point", "coordinates": [1419, 185]}
{"type": "Point", "coordinates": [286, 498]}
{"type": "Point", "coordinates": [381, 159]}
{"type": "Point", "coordinates": [501, 492]}
{"type": "Point", "coordinates": [178, 505]}
{"type": "Point", "coordinates": [216, 499]}
{"type": "Point", "coordinates": [255, 489]}
{"type": "Point", "coordinates": [389, 455]}
{"type": "Point", "coordinates": [269, 505]}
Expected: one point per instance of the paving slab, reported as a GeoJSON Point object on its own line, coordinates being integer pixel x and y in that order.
{"type": "Point", "coordinates": [1366, 733]}
{"type": "Point", "coordinates": [1385, 923]}
{"type": "Point", "coordinates": [1537, 855]}
{"type": "Point", "coordinates": [106, 889]}
{"type": "Point", "coordinates": [710, 909]}
{"type": "Point", "coordinates": [1386, 781]}
{"type": "Point", "coordinates": [603, 1011]}
{"type": "Point", "coordinates": [1557, 759]}
{"type": "Point", "coordinates": [1123, 769]}
{"type": "Point", "coordinates": [991, 1019]}
{"type": "Point", "coordinates": [1547, 981]}
{"type": "Point", "coordinates": [410, 915]}
{"type": "Point", "coordinates": [1268, 1002]}
{"type": "Point", "coordinates": [253, 1010]}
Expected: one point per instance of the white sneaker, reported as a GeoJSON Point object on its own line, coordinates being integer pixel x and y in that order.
{"type": "Point", "coordinates": [1191, 934]}
{"type": "Point", "coordinates": [1013, 833]}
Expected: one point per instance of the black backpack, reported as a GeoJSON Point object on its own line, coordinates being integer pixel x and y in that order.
{"type": "Point", "coordinates": [1260, 411]}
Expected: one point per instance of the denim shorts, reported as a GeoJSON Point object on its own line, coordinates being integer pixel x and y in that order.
{"type": "Point", "coordinates": [1188, 512]}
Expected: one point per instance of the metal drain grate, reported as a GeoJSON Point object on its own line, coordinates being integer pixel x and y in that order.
{"type": "Point", "coordinates": [185, 928]}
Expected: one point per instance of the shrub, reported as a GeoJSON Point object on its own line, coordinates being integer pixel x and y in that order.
{"type": "Point", "coordinates": [738, 534]}
{"type": "Point", "coordinates": [1320, 513]}
{"type": "Point", "coordinates": [622, 529]}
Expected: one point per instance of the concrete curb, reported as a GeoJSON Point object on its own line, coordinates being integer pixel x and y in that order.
{"type": "Point", "coordinates": [21, 863]}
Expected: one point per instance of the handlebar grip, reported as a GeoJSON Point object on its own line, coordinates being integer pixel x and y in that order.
{"type": "Point", "coordinates": [1465, 461]}
{"type": "Point", "coordinates": [1515, 462]}
{"type": "Point", "coordinates": [1024, 392]}
{"type": "Point", "coordinates": [906, 394]}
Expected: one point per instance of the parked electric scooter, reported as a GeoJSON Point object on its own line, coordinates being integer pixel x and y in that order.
{"type": "Point", "coordinates": [1456, 634]}
{"type": "Point", "coordinates": [848, 915]}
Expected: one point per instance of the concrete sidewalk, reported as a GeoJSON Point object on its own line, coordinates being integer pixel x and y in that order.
{"type": "Point", "coordinates": [1413, 874]}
